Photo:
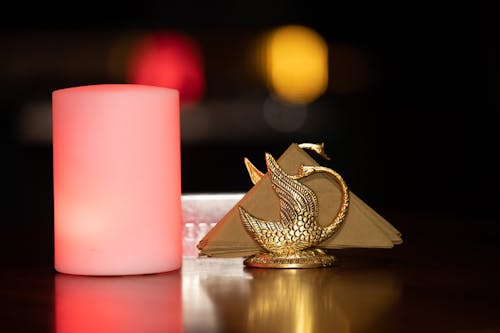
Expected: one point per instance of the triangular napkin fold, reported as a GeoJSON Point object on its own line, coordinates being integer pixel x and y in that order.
{"type": "Point", "coordinates": [362, 228]}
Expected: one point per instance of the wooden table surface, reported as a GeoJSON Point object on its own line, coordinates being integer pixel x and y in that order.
{"type": "Point", "coordinates": [444, 280]}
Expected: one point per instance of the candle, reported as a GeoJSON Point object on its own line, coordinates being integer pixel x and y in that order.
{"type": "Point", "coordinates": [117, 180]}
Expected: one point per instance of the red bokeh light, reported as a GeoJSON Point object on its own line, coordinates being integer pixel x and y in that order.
{"type": "Point", "coordinates": [171, 60]}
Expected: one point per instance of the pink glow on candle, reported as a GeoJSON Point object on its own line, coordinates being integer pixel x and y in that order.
{"type": "Point", "coordinates": [169, 59]}
{"type": "Point", "coordinates": [117, 180]}
{"type": "Point", "coordinates": [150, 303]}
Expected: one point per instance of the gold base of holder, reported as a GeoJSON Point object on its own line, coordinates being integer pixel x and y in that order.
{"type": "Point", "coordinates": [310, 258]}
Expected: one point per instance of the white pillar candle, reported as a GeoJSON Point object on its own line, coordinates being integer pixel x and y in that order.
{"type": "Point", "coordinates": [117, 180]}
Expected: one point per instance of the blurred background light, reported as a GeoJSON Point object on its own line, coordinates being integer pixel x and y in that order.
{"type": "Point", "coordinates": [296, 63]}
{"type": "Point", "coordinates": [284, 117]}
{"type": "Point", "coordinates": [169, 59]}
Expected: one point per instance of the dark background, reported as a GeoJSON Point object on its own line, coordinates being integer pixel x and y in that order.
{"type": "Point", "coordinates": [419, 138]}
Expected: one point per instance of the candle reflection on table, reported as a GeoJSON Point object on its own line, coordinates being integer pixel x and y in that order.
{"type": "Point", "coordinates": [143, 303]}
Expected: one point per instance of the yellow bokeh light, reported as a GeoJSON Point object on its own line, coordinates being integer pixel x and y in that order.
{"type": "Point", "coordinates": [297, 64]}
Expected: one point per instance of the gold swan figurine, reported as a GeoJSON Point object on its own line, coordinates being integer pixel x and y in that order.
{"type": "Point", "coordinates": [291, 241]}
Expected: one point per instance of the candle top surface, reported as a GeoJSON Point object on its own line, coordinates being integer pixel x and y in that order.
{"type": "Point", "coordinates": [116, 88]}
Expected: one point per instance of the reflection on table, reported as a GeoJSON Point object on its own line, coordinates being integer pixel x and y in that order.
{"type": "Point", "coordinates": [147, 303]}
{"type": "Point", "coordinates": [283, 300]}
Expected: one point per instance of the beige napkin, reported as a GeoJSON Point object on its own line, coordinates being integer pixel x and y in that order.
{"type": "Point", "coordinates": [362, 228]}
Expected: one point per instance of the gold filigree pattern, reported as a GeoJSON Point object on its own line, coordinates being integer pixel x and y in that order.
{"type": "Point", "coordinates": [291, 240]}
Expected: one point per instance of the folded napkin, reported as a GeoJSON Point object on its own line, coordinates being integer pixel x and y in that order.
{"type": "Point", "coordinates": [362, 228]}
